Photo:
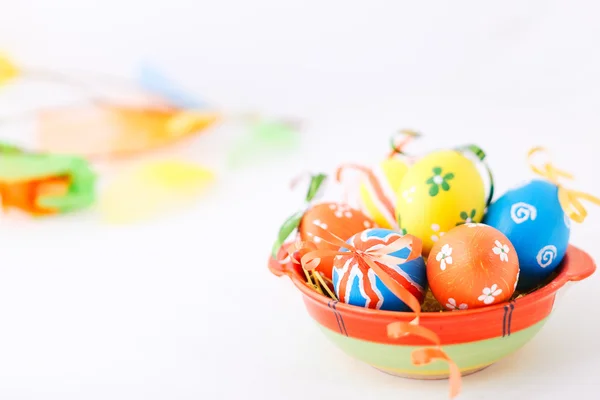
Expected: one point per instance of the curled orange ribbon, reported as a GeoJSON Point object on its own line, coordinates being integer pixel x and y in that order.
{"type": "Point", "coordinates": [311, 258]}
{"type": "Point", "coordinates": [569, 199]}
{"type": "Point", "coordinates": [427, 355]}
{"type": "Point", "coordinates": [313, 278]}
{"type": "Point", "coordinates": [375, 185]}
{"type": "Point", "coordinates": [400, 140]}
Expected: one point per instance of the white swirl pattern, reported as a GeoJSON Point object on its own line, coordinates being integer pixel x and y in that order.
{"type": "Point", "coordinates": [546, 255]}
{"type": "Point", "coordinates": [521, 212]}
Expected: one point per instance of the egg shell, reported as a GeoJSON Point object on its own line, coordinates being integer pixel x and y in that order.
{"type": "Point", "coordinates": [389, 174]}
{"type": "Point", "coordinates": [534, 221]}
{"type": "Point", "coordinates": [472, 266]}
{"type": "Point", "coordinates": [356, 283]}
{"type": "Point", "coordinates": [440, 191]}
{"type": "Point", "coordinates": [338, 219]}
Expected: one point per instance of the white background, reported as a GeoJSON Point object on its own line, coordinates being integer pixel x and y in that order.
{"type": "Point", "coordinates": [184, 307]}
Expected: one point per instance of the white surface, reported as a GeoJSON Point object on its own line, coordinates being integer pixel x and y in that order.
{"type": "Point", "coordinates": [184, 308]}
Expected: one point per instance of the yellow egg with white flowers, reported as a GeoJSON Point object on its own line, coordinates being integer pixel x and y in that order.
{"type": "Point", "coordinates": [378, 191]}
{"type": "Point", "coordinates": [440, 191]}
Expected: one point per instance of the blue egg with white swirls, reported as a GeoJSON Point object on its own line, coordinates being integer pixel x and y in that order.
{"type": "Point", "coordinates": [534, 221]}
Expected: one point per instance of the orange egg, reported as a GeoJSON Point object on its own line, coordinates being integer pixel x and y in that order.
{"type": "Point", "coordinates": [471, 266]}
{"type": "Point", "coordinates": [339, 219]}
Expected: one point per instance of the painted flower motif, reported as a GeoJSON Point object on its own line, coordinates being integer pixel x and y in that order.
{"type": "Point", "coordinates": [314, 238]}
{"type": "Point", "coordinates": [403, 231]}
{"type": "Point", "coordinates": [341, 210]}
{"type": "Point", "coordinates": [466, 218]}
{"type": "Point", "coordinates": [451, 305]}
{"type": "Point", "coordinates": [408, 194]}
{"type": "Point", "coordinates": [320, 223]}
{"type": "Point", "coordinates": [438, 180]}
{"type": "Point", "coordinates": [502, 250]}
{"type": "Point", "coordinates": [436, 232]}
{"type": "Point", "coordinates": [444, 256]}
{"type": "Point", "coordinates": [489, 294]}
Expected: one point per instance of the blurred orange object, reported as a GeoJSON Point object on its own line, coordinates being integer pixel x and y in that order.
{"type": "Point", "coordinates": [24, 195]}
{"type": "Point", "coordinates": [107, 130]}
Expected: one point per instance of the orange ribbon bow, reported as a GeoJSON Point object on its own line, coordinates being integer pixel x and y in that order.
{"type": "Point", "coordinates": [311, 260]}
{"type": "Point", "coordinates": [569, 199]}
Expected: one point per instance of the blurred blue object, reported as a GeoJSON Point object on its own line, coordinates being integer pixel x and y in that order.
{"type": "Point", "coordinates": [152, 80]}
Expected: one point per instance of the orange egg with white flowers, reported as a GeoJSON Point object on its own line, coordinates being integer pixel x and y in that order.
{"type": "Point", "coordinates": [472, 266]}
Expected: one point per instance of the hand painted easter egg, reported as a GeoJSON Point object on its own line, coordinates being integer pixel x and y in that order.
{"type": "Point", "coordinates": [532, 218]}
{"type": "Point", "coordinates": [338, 219]}
{"type": "Point", "coordinates": [440, 191]}
{"type": "Point", "coordinates": [473, 265]}
{"type": "Point", "coordinates": [356, 283]}
{"type": "Point", "coordinates": [378, 191]}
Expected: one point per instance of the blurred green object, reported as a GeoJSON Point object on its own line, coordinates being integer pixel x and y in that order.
{"type": "Point", "coordinates": [288, 227]}
{"type": "Point", "coordinates": [266, 138]}
{"type": "Point", "coordinates": [315, 185]}
{"type": "Point", "coordinates": [18, 167]}
{"type": "Point", "coordinates": [82, 190]}
{"type": "Point", "coordinates": [293, 222]}
{"type": "Point", "coordinates": [6, 148]}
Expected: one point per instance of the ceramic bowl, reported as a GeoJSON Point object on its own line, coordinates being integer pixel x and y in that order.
{"type": "Point", "coordinates": [474, 339]}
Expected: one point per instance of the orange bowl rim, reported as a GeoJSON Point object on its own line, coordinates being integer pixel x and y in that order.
{"type": "Point", "coordinates": [577, 265]}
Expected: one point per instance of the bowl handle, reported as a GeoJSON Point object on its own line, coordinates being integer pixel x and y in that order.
{"type": "Point", "coordinates": [283, 264]}
{"type": "Point", "coordinates": [578, 265]}
{"type": "Point", "coordinates": [278, 268]}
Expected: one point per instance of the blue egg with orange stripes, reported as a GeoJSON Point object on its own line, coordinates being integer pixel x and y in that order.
{"type": "Point", "coordinates": [356, 283]}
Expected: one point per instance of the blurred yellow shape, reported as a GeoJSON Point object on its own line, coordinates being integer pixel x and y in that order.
{"type": "Point", "coordinates": [153, 189]}
{"type": "Point", "coordinates": [8, 70]}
